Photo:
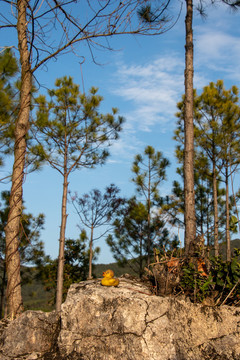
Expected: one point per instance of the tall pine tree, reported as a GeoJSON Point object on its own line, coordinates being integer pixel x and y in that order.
{"type": "Point", "coordinates": [73, 135]}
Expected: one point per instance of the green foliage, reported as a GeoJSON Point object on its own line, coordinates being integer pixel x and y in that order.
{"type": "Point", "coordinates": [8, 71]}
{"type": "Point", "coordinates": [130, 236]}
{"type": "Point", "coordinates": [149, 171]}
{"type": "Point", "coordinates": [131, 231]}
{"type": "Point", "coordinates": [150, 15]}
{"type": "Point", "coordinates": [117, 268]}
{"type": "Point", "coordinates": [8, 100]}
{"type": "Point", "coordinates": [216, 149]}
{"type": "Point", "coordinates": [222, 284]}
{"type": "Point", "coordinates": [138, 227]}
{"type": "Point", "coordinates": [194, 284]}
{"type": "Point", "coordinates": [95, 251]}
{"type": "Point", "coordinates": [226, 274]}
{"type": "Point", "coordinates": [72, 133]}
{"type": "Point", "coordinates": [233, 224]}
{"type": "Point", "coordinates": [31, 248]}
{"type": "Point", "coordinates": [219, 126]}
{"type": "Point", "coordinates": [10, 86]}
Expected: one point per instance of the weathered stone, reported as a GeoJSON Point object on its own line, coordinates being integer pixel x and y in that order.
{"type": "Point", "coordinates": [31, 333]}
{"type": "Point", "coordinates": [128, 323]}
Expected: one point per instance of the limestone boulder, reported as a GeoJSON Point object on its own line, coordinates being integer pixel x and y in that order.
{"type": "Point", "coordinates": [126, 322]}
{"type": "Point", "coordinates": [129, 322]}
{"type": "Point", "coordinates": [31, 334]}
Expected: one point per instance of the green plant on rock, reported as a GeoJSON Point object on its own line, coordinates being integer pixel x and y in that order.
{"type": "Point", "coordinates": [222, 285]}
{"type": "Point", "coordinates": [226, 278]}
{"type": "Point", "coordinates": [194, 284]}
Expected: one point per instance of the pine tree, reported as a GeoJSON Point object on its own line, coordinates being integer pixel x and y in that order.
{"type": "Point", "coordinates": [129, 241]}
{"type": "Point", "coordinates": [73, 134]}
{"type": "Point", "coordinates": [219, 138]}
{"type": "Point", "coordinates": [216, 121]}
{"type": "Point", "coordinates": [149, 171]}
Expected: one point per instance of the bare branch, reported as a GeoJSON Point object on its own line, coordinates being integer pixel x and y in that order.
{"type": "Point", "coordinates": [55, 26]}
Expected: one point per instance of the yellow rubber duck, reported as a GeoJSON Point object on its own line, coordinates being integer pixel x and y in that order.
{"type": "Point", "coordinates": [108, 278]}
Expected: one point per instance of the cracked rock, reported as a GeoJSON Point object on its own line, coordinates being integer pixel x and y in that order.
{"type": "Point", "coordinates": [127, 323]}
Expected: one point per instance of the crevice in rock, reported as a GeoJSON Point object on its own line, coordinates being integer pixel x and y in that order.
{"type": "Point", "coordinates": [93, 319]}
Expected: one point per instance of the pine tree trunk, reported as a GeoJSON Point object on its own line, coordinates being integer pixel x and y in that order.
{"type": "Point", "coordinates": [208, 232]}
{"type": "Point", "coordinates": [14, 297]}
{"type": "Point", "coordinates": [202, 215]}
{"type": "Point", "coordinates": [189, 194]}
{"type": "Point", "coordinates": [60, 272]}
{"type": "Point", "coordinates": [90, 255]}
{"type": "Point", "coordinates": [215, 209]}
{"type": "Point", "coordinates": [149, 217]}
{"type": "Point", "coordinates": [141, 257]}
{"type": "Point", "coordinates": [228, 252]}
{"type": "Point", "coordinates": [148, 237]}
{"type": "Point", "coordinates": [3, 286]}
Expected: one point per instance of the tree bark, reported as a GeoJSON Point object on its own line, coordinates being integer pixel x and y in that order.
{"type": "Point", "coordinates": [3, 286]}
{"type": "Point", "coordinates": [90, 255]}
{"type": "Point", "coordinates": [14, 297]}
{"type": "Point", "coordinates": [215, 209]}
{"type": "Point", "coordinates": [228, 244]}
{"type": "Point", "coordinates": [59, 293]}
{"type": "Point", "coordinates": [141, 257]}
{"type": "Point", "coordinates": [189, 193]}
{"type": "Point", "coordinates": [149, 216]}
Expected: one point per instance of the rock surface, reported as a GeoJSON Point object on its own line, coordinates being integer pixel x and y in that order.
{"type": "Point", "coordinates": [30, 335]}
{"type": "Point", "coordinates": [127, 322]}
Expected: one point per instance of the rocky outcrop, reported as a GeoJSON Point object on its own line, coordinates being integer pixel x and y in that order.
{"type": "Point", "coordinates": [127, 322]}
{"type": "Point", "coordinates": [32, 334]}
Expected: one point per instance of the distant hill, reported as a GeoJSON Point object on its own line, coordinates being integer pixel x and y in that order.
{"type": "Point", "coordinates": [35, 297]}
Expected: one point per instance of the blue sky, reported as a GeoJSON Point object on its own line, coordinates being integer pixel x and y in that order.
{"type": "Point", "coordinates": [144, 79]}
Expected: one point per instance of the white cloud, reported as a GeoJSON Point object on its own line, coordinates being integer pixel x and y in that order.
{"type": "Point", "coordinates": [151, 90]}
{"type": "Point", "coordinates": [147, 92]}
{"type": "Point", "coordinates": [218, 51]}
{"type": "Point", "coordinates": [125, 148]}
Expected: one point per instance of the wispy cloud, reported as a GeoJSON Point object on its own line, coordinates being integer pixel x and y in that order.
{"type": "Point", "coordinates": [218, 52]}
{"type": "Point", "coordinates": [151, 90]}
{"type": "Point", "coordinates": [124, 148]}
